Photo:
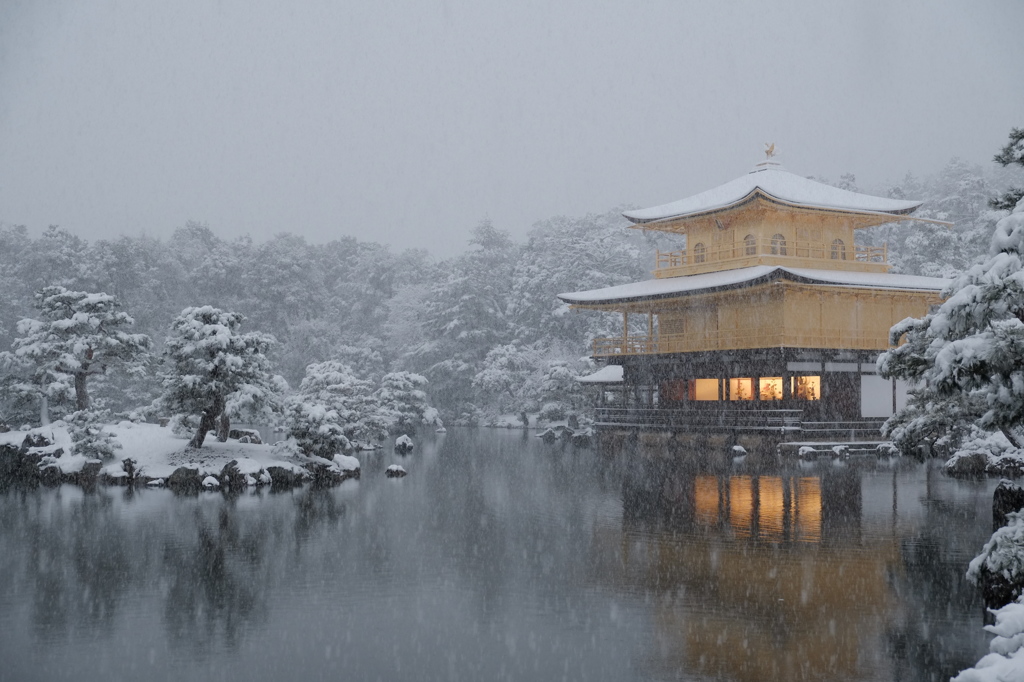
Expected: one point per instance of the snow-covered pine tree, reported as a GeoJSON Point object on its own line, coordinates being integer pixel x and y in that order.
{"type": "Point", "coordinates": [1011, 155]}
{"type": "Point", "coordinates": [402, 397]}
{"type": "Point", "coordinates": [77, 335]}
{"type": "Point", "coordinates": [215, 372]}
{"type": "Point", "coordinates": [334, 385]}
{"type": "Point", "coordinates": [967, 357]}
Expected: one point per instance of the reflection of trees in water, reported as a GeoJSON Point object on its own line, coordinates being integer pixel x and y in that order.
{"type": "Point", "coordinates": [927, 641]}
{"type": "Point", "coordinates": [210, 562]}
{"type": "Point", "coordinates": [77, 561]}
{"type": "Point", "coordinates": [214, 592]}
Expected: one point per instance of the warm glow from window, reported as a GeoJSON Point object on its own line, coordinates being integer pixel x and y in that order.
{"type": "Point", "coordinates": [741, 505]}
{"type": "Point", "coordinates": [770, 388]}
{"type": "Point", "coordinates": [704, 389]}
{"type": "Point", "coordinates": [705, 497]}
{"type": "Point", "coordinates": [771, 521]}
{"type": "Point", "coordinates": [806, 388]}
{"type": "Point", "coordinates": [807, 502]}
{"type": "Point", "coordinates": [741, 389]}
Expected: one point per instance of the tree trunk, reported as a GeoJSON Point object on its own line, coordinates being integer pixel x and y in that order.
{"type": "Point", "coordinates": [1011, 436]}
{"type": "Point", "coordinates": [207, 423]}
{"type": "Point", "coordinates": [224, 427]}
{"type": "Point", "coordinates": [44, 411]}
{"type": "Point", "coordinates": [81, 394]}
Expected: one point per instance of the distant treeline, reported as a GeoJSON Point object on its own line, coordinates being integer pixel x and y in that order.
{"type": "Point", "coordinates": [485, 328]}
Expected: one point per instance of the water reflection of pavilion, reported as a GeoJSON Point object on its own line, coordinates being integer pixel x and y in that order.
{"type": "Point", "coordinates": [761, 507]}
{"type": "Point", "coordinates": [759, 577]}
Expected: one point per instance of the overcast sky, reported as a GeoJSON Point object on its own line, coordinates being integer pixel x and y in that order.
{"type": "Point", "coordinates": [409, 122]}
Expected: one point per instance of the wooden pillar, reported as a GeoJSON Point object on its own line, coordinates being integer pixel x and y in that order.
{"type": "Point", "coordinates": [650, 326]}
{"type": "Point", "coordinates": [625, 327]}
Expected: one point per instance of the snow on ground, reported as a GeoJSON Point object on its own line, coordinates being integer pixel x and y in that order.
{"type": "Point", "coordinates": [157, 452]}
{"type": "Point", "coordinates": [1006, 660]}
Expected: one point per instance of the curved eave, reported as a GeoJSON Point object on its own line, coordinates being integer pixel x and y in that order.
{"type": "Point", "coordinates": [776, 274]}
{"type": "Point", "coordinates": [758, 194]}
{"type": "Point", "coordinates": [753, 281]}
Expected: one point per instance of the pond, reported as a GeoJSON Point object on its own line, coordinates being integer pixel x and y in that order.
{"type": "Point", "coordinates": [501, 558]}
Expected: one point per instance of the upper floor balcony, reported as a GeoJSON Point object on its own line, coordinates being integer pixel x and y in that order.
{"type": "Point", "coordinates": [837, 255]}
{"type": "Point", "coordinates": [744, 338]}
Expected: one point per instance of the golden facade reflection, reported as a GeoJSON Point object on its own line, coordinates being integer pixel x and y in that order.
{"type": "Point", "coordinates": [772, 507]}
{"type": "Point", "coordinates": [705, 497]}
{"type": "Point", "coordinates": [757, 577]}
{"type": "Point", "coordinates": [766, 507]}
{"type": "Point", "coordinates": [741, 505]}
{"type": "Point", "coordinates": [808, 510]}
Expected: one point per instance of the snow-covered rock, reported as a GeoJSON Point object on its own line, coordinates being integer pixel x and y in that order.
{"type": "Point", "coordinates": [395, 471]}
{"type": "Point", "coordinates": [347, 463]}
{"type": "Point", "coordinates": [999, 568]}
{"type": "Point", "coordinates": [403, 444]}
{"type": "Point", "coordinates": [211, 482]}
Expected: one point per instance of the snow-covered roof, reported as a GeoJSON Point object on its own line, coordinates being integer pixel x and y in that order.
{"type": "Point", "coordinates": [610, 374]}
{"type": "Point", "coordinates": [775, 184]}
{"type": "Point", "coordinates": [741, 277]}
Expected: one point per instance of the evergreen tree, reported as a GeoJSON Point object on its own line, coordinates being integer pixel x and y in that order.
{"type": "Point", "coordinates": [215, 372]}
{"type": "Point", "coordinates": [967, 357]}
{"type": "Point", "coordinates": [78, 335]}
{"type": "Point", "coordinates": [1011, 155]}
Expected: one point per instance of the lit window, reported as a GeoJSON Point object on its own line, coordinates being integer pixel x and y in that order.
{"type": "Point", "coordinates": [700, 253]}
{"type": "Point", "coordinates": [741, 389]}
{"type": "Point", "coordinates": [838, 250]}
{"type": "Point", "coordinates": [704, 389]}
{"type": "Point", "coordinates": [750, 245]}
{"type": "Point", "coordinates": [778, 245]}
{"type": "Point", "coordinates": [770, 388]}
{"type": "Point", "coordinates": [806, 388]}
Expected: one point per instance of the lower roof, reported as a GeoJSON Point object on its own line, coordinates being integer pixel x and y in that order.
{"type": "Point", "coordinates": [609, 374]}
{"type": "Point", "coordinates": [673, 287]}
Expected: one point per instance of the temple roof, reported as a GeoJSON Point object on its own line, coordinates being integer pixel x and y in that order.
{"type": "Point", "coordinates": [770, 182]}
{"type": "Point", "coordinates": [673, 287]}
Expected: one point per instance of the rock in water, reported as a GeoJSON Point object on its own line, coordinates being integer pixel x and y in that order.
{"type": "Point", "coordinates": [394, 471]}
{"type": "Point", "coordinates": [211, 483]}
{"type": "Point", "coordinates": [403, 444]}
{"type": "Point", "coordinates": [185, 478]}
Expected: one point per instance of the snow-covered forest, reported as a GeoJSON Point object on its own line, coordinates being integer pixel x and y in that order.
{"type": "Point", "coordinates": [484, 328]}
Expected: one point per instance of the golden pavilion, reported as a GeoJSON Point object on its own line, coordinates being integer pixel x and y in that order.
{"type": "Point", "coordinates": [769, 316]}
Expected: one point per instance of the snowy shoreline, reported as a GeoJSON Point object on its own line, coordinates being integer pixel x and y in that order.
{"type": "Point", "coordinates": [151, 455]}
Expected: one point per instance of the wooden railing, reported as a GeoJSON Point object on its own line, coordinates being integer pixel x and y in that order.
{"type": "Point", "coordinates": [739, 419]}
{"type": "Point", "coordinates": [788, 422]}
{"type": "Point", "coordinates": [708, 257]}
{"type": "Point", "coordinates": [736, 339]}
